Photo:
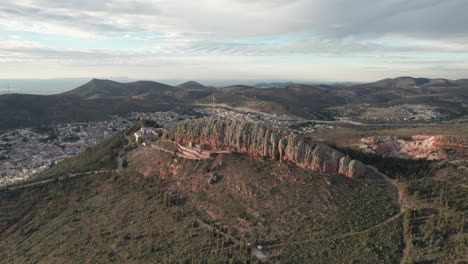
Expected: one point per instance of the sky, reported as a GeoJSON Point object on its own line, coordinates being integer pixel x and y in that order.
{"type": "Point", "coordinates": [264, 40]}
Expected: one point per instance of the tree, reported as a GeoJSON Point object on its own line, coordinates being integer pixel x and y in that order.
{"type": "Point", "coordinates": [150, 123]}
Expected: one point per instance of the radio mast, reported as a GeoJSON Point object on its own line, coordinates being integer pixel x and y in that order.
{"type": "Point", "coordinates": [213, 109]}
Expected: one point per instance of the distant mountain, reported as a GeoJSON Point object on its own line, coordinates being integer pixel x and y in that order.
{"type": "Point", "coordinates": [400, 82]}
{"type": "Point", "coordinates": [27, 110]}
{"type": "Point", "coordinates": [410, 82]}
{"type": "Point", "coordinates": [282, 84]}
{"type": "Point", "coordinates": [99, 98]}
{"type": "Point", "coordinates": [106, 89]}
{"type": "Point", "coordinates": [462, 82]}
{"type": "Point", "coordinates": [192, 85]}
{"type": "Point", "coordinates": [272, 84]}
{"type": "Point", "coordinates": [315, 101]}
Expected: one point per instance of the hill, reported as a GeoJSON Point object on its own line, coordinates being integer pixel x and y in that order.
{"type": "Point", "coordinates": [323, 101]}
{"type": "Point", "coordinates": [300, 100]}
{"type": "Point", "coordinates": [410, 82]}
{"type": "Point", "coordinates": [22, 110]}
{"type": "Point", "coordinates": [266, 142]}
{"type": "Point", "coordinates": [232, 208]}
{"type": "Point", "coordinates": [273, 84]}
{"type": "Point", "coordinates": [403, 98]}
{"type": "Point", "coordinates": [110, 89]}
{"type": "Point", "coordinates": [192, 85]}
{"type": "Point", "coordinates": [162, 208]}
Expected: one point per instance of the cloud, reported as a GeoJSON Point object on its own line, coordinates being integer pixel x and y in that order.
{"type": "Point", "coordinates": [375, 31]}
{"type": "Point", "coordinates": [231, 19]}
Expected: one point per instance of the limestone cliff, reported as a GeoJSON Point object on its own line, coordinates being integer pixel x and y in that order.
{"type": "Point", "coordinates": [261, 141]}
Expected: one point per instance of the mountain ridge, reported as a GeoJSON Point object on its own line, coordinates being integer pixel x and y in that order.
{"type": "Point", "coordinates": [99, 88]}
{"type": "Point", "coordinates": [192, 85]}
{"type": "Point", "coordinates": [319, 102]}
{"type": "Point", "coordinates": [265, 142]}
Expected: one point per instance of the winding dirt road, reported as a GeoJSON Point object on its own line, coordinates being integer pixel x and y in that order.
{"type": "Point", "coordinates": [400, 199]}
{"type": "Point", "coordinates": [72, 175]}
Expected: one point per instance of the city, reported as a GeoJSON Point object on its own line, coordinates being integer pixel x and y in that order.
{"type": "Point", "coordinates": [28, 151]}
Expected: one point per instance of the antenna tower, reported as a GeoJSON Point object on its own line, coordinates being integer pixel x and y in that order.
{"type": "Point", "coordinates": [213, 109]}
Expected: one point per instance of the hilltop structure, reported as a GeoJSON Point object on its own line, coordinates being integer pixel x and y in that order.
{"type": "Point", "coordinates": [147, 133]}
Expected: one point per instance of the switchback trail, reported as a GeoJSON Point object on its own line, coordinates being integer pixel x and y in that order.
{"type": "Point", "coordinates": [401, 204]}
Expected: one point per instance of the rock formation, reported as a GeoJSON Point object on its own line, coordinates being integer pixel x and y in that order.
{"type": "Point", "coordinates": [265, 142]}
{"type": "Point", "coordinates": [416, 147]}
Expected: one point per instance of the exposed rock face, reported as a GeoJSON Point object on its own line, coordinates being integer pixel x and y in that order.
{"type": "Point", "coordinates": [261, 141]}
{"type": "Point", "coordinates": [416, 147]}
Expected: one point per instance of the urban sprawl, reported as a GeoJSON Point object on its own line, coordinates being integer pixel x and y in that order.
{"type": "Point", "coordinates": [28, 151]}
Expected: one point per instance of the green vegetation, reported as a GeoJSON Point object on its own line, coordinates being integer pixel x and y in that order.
{"type": "Point", "coordinates": [396, 168]}
{"type": "Point", "coordinates": [100, 157]}
{"type": "Point", "coordinates": [351, 134]}
{"type": "Point", "coordinates": [443, 194]}
{"type": "Point", "coordinates": [150, 123]}
{"type": "Point", "coordinates": [104, 219]}
{"type": "Point", "coordinates": [383, 245]}
{"type": "Point", "coordinates": [434, 228]}
{"type": "Point", "coordinates": [156, 211]}
{"type": "Point", "coordinates": [272, 204]}
{"type": "Point", "coordinates": [433, 236]}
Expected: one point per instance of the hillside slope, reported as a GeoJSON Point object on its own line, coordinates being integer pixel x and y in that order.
{"type": "Point", "coordinates": [383, 100]}
{"type": "Point", "coordinates": [22, 110]}
{"type": "Point", "coordinates": [108, 89]}
{"type": "Point", "coordinates": [294, 214]}
{"type": "Point", "coordinates": [164, 209]}
{"type": "Point", "coordinates": [192, 85]}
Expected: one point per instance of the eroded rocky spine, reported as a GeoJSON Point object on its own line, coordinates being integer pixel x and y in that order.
{"type": "Point", "coordinates": [261, 141]}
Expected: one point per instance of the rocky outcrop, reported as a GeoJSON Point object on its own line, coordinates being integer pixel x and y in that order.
{"type": "Point", "coordinates": [417, 147]}
{"type": "Point", "coordinates": [265, 142]}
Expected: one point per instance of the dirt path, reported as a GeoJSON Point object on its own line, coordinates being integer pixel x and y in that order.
{"type": "Point", "coordinates": [340, 236]}
{"type": "Point", "coordinates": [94, 231]}
{"type": "Point", "coordinates": [73, 175]}
{"type": "Point", "coordinates": [401, 195]}
{"type": "Point", "coordinates": [401, 204]}
{"type": "Point", "coordinates": [255, 251]}
{"type": "Point", "coordinates": [162, 149]}
{"type": "Point", "coordinates": [402, 201]}
{"type": "Point", "coordinates": [119, 156]}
